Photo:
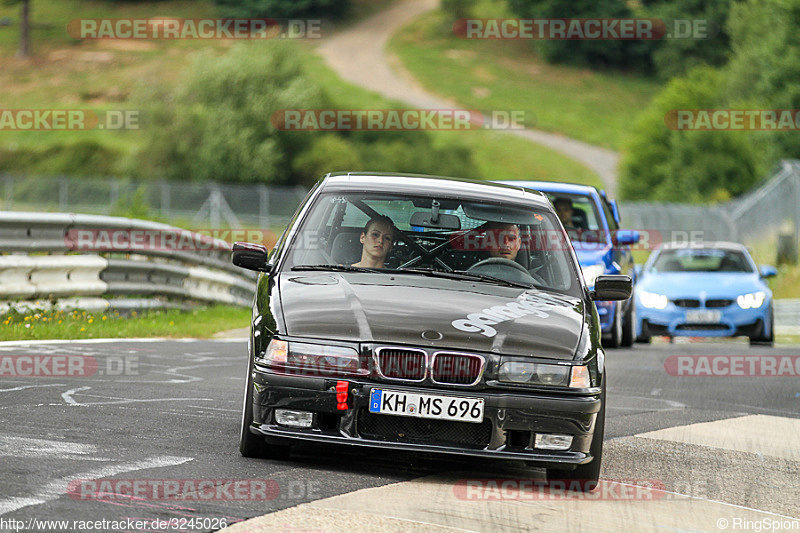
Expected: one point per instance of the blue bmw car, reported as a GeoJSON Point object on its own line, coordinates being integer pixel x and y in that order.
{"type": "Point", "coordinates": [708, 290]}
{"type": "Point", "coordinates": [592, 222]}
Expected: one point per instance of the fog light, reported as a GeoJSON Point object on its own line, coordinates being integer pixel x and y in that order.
{"type": "Point", "coordinates": [553, 442]}
{"type": "Point", "coordinates": [297, 419]}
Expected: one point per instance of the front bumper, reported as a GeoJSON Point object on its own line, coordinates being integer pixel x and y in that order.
{"type": "Point", "coordinates": [672, 321]}
{"type": "Point", "coordinates": [511, 420]}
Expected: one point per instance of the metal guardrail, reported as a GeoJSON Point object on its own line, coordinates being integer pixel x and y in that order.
{"type": "Point", "coordinates": [45, 261]}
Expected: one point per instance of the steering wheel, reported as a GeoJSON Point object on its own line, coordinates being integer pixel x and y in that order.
{"type": "Point", "coordinates": [522, 274]}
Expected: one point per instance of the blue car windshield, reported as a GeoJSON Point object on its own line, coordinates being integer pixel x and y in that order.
{"type": "Point", "coordinates": [701, 260]}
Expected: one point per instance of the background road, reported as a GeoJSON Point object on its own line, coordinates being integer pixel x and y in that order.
{"type": "Point", "coordinates": [179, 417]}
{"type": "Point", "coordinates": [358, 55]}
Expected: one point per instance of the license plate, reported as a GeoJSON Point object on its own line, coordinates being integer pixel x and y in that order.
{"type": "Point", "coordinates": [702, 316]}
{"type": "Point", "coordinates": [389, 402]}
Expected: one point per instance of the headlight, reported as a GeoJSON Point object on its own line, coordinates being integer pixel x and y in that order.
{"type": "Point", "coordinates": [544, 374]}
{"type": "Point", "coordinates": [590, 273]}
{"type": "Point", "coordinates": [753, 300]}
{"type": "Point", "coordinates": [653, 300]}
{"type": "Point", "coordinates": [313, 359]}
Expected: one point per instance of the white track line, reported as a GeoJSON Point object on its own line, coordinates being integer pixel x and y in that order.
{"type": "Point", "coordinates": [58, 488]}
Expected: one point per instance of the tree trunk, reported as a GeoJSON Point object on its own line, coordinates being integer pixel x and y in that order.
{"type": "Point", "coordinates": [25, 30]}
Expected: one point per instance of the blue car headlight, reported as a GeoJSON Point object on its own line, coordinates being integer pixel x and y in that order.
{"type": "Point", "coordinates": [752, 300]}
{"type": "Point", "coordinates": [653, 300]}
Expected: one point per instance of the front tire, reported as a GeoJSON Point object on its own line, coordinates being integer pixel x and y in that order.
{"type": "Point", "coordinates": [586, 477]}
{"type": "Point", "coordinates": [765, 340]}
{"type": "Point", "coordinates": [614, 338]}
{"type": "Point", "coordinates": [629, 326]}
{"type": "Point", "coordinates": [644, 338]}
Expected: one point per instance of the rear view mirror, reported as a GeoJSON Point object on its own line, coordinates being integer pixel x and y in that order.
{"type": "Point", "coordinates": [425, 219]}
{"type": "Point", "coordinates": [250, 256]}
{"type": "Point", "coordinates": [609, 288]}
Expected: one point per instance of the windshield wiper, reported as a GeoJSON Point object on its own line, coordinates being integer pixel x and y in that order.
{"type": "Point", "coordinates": [456, 274]}
{"type": "Point", "coordinates": [466, 276]}
{"type": "Point", "coordinates": [336, 268]}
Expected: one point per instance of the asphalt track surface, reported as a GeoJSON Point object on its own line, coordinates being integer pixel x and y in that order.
{"type": "Point", "coordinates": [174, 415]}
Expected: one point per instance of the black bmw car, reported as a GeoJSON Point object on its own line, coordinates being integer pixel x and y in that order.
{"type": "Point", "coordinates": [427, 314]}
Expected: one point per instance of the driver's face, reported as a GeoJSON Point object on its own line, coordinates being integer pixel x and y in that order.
{"type": "Point", "coordinates": [378, 240]}
{"type": "Point", "coordinates": [564, 212]}
{"type": "Point", "coordinates": [508, 242]}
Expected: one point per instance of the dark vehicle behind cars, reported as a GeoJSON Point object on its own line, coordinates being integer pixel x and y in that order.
{"type": "Point", "coordinates": [470, 339]}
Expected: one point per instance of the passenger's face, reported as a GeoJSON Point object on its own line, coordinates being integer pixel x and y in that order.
{"type": "Point", "coordinates": [564, 212]}
{"type": "Point", "coordinates": [508, 242]}
{"type": "Point", "coordinates": [378, 240]}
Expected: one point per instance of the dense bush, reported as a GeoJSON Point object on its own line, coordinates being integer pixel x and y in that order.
{"type": "Point", "coordinates": [217, 126]}
{"type": "Point", "coordinates": [688, 166]}
{"type": "Point", "coordinates": [673, 57]}
{"type": "Point", "coordinates": [765, 68]}
{"type": "Point", "coordinates": [282, 8]}
{"type": "Point", "coordinates": [76, 158]}
{"type": "Point", "coordinates": [593, 53]}
{"type": "Point", "coordinates": [458, 9]}
{"type": "Point", "coordinates": [662, 164]}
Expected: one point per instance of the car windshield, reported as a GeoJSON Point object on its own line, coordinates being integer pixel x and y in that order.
{"type": "Point", "coordinates": [463, 240]}
{"type": "Point", "coordinates": [579, 215]}
{"type": "Point", "coordinates": [701, 260]}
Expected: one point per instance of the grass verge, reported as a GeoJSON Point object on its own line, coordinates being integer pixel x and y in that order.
{"type": "Point", "coordinates": [52, 324]}
{"type": "Point", "coordinates": [584, 104]}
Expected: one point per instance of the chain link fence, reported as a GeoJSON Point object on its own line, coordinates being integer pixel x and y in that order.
{"type": "Point", "coordinates": [756, 217]}
{"type": "Point", "coordinates": [185, 203]}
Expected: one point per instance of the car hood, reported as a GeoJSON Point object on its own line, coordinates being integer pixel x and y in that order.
{"type": "Point", "coordinates": [691, 284]}
{"type": "Point", "coordinates": [433, 312]}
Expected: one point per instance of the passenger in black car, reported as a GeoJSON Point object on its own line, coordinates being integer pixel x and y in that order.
{"type": "Point", "coordinates": [377, 240]}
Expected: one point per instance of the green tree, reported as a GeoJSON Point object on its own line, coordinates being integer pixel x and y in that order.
{"type": "Point", "coordinates": [765, 67]}
{"type": "Point", "coordinates": [674, 57]}
{"type": "Point", "coordinates": [282, 8]}
{"type": "Point", "coordinates": [594, 53]}
{"type": "Point", "coordinates": [217, 124]}
{"type": "Point", "coordinates": [664, 164]}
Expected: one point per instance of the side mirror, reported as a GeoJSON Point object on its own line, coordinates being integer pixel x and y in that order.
{"type": "Point", "coordinates": [626, 237]}
{"type": "Point", "coordinates": [608, 288]}
{"type": "Point", "coordinates": [250, 256]}
{"type": "Point", "coordinates": [614, 210]}
{"type": "Point", "coordinates": [767, 271]}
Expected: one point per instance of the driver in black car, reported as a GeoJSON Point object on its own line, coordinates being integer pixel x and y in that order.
{"type": "Point", "coordinates": [503, 240]}
{"type": "Point", "coordinates": [377, 240]}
